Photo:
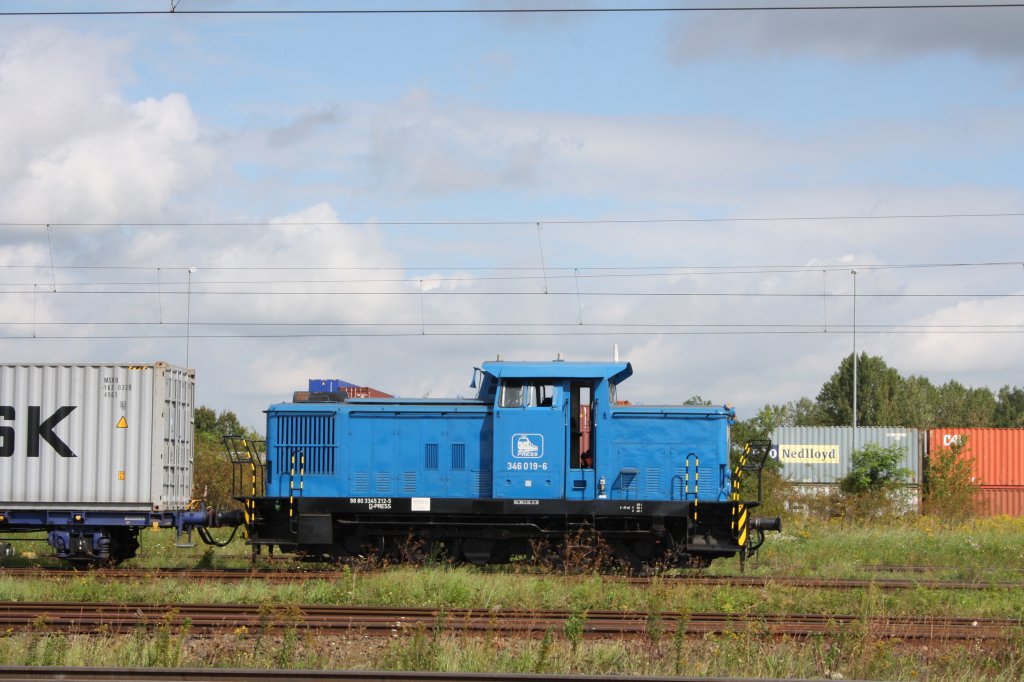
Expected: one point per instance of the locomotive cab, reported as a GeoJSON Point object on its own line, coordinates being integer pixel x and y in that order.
{"type": "Point", "coordinates": [546, 428]}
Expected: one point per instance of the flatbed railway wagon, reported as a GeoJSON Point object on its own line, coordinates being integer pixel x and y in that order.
{"type": "Point", "coordinates": [546, 451]}
{"type": "Point", "coordinates": [93, 453]}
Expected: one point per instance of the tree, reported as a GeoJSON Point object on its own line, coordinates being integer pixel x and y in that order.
{"type": "Point", "coordinates": [225, 424]}
{"type": "Point", "coordinates": [205, 419]}
{"type": "Point", "coordinates": [213, 474]}
{"type": "Point", "coordinates": [957, 405]}
{"type": "Point", "coordinates": [917, 403]}
{"type": "Point", "coordinates": [878, 390]}
{"type": "Point", "coordinates": [1009, 412]}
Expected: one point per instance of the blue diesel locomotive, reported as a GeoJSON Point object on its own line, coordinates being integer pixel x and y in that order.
{"type": "Point", "coordinates": [544, 452]}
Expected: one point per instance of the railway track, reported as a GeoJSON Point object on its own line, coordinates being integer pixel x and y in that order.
{"type": "Point", "coordinates": [89, 617]}
{"type": "Point", "coordinates": [231, 675]}
{"type": "Point", "coordinates": [289, 576]}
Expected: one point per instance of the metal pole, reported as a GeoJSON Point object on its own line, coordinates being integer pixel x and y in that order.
{"type": "Point", "coordinates": [188, 317]}
{"type": "Point", "coordinates": [854, 273]}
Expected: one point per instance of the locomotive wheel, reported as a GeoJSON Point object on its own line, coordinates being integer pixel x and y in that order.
{"type": "Point", "coordinates": [367, 547]}
{"type": "Point", "coordinates": [627, 557]}
{"type": "Point", "coordinates": [477, 551]}
{"type": "Point", "coordinates": [412, 549]}
{"type": "Point", "coordinates": [586, 551]}
{"type": "Point", "coordinates": [546, 555]}
{"type": "Point", "coordinates": [452, 550]}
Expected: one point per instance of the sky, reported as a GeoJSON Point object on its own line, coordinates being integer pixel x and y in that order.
{"type": "Point", "coordinates": [392, 199]}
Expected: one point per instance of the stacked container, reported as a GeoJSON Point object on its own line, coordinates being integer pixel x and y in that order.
{"type": "Point", "coordinates": [353, 391]}
{"type": "Point", "coordinates": [998, 465]}
{"type": "Point", "coordinates": [815, 458]}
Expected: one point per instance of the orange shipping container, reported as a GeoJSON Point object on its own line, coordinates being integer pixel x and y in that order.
{"type": "Point", "coordinates": [995, 500]}
{"type": "Point", "coordinates": [998, 453]}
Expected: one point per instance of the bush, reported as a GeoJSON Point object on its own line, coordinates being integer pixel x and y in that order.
{"type": "Point", "coordinates": [872, 487]}
{"type": "Point", "coordinates": [874, 469]}
{"type": "Point", "coordinates": [950, 487]}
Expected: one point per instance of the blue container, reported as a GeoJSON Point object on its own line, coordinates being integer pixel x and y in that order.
{"type": "Point", "coordinates": [328, 385]}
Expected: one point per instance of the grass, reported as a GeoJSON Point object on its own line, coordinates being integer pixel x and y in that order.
{"type": "Point", "coordinates": [465, 588]}
{"type": "Point", "coordinates": [992, 548]}
{"type": "Point", "coordinates": [853, 656]}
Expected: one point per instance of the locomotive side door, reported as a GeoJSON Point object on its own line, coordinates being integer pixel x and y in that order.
{"type": "Point", "coordinates": [529, 439]}
{"type": "Point", "coordinates": [581, 477]}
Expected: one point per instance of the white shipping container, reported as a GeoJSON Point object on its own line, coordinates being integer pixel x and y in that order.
{"type": "Point", "coordinates": [96, 437]}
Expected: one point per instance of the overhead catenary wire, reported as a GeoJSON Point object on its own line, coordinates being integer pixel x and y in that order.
{"type": "Point", "coordinates": [584, 294]}
{"type": "Point", "coordinates": [504, 333]}
{"type": "Point", "coordinates": [611, 327]}
{"type": "Point", "coordinates": [570, 271]}
{"type": "Point", "coordinates": [176, 11]}
{"type": "Point", "coordinates": [525, 222]}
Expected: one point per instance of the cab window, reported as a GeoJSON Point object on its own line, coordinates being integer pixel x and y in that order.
{"type": "Point", "coordinates": [513, 394]}
{"type": "Point", "coordinates": [527, 394]}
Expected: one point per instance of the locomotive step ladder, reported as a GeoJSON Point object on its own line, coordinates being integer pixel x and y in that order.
{"type": "Point", "coordinates": [750, 465]}
{"type": "Point", "coordinates": [248, 480]}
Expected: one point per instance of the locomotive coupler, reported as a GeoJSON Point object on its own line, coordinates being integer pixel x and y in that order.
{"type": "Point", "coordinates": [200, 519]}
{"type": "Point", "coordinates": [760, 525]}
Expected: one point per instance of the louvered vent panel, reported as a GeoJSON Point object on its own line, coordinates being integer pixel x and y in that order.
{"type": "Point", "coordinates": [458, 456]}
{"type": "Point", "coordinates": [653, 482]}
{"type": "Point", "coordinates": [311, 436]}
{"type": "Point", "coordinates": [383, 482]}
{"type": "Point", "coordinates": [408, 481]}
{"type": "Point", "coordinates": [430, 456]}
{"type": "Point", "coordinates": [361, 482]}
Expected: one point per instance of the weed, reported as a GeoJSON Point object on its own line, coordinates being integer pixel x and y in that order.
{"type": "Point", "coordinates": [285, 656]}
{"type": "Point", "coordinates": [678, 642]}
{"type": "Point", "coordinates": [575, 626]}
{"type": "Point", "coordinates": [544, 652]}
{"type": "Point", "coordinates": [654, 627]}
{"type": "Point", "coordinates": [207, 559]}
{"type": "Point", "coordinates": [291, 617]}
{"type": "Point", "coordinates": [167, 646]}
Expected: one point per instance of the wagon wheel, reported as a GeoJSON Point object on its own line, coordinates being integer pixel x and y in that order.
{"type": "Point", "coordinates": [124, 544]}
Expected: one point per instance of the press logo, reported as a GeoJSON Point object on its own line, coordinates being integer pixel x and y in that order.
{"type": "Point", "coordinates": [527, 445]}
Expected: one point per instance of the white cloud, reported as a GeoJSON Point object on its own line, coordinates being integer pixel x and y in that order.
{"type": "Point", "coordinates": [948, 355]}
{"type": "Point", "coordinates": [82, 154]}
{"type": "Point", "coordinates": [417, 149]}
